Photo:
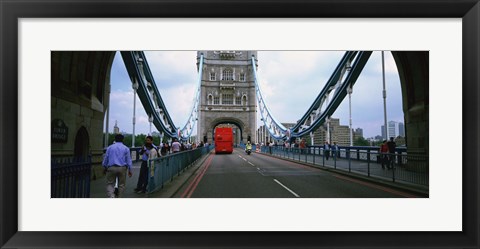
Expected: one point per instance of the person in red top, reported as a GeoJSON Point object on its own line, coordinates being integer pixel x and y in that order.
{"type": "Point", "coordinates": [384, 153]}
{"type": "Point", "coordinates": [302, 146]}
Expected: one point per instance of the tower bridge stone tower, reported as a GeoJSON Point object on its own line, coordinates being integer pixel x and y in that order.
{"type": "Point", "coordinates": [227, 94]}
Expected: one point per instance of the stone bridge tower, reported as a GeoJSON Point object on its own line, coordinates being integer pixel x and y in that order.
{"type": "Point", "coordinates": [227, 94]}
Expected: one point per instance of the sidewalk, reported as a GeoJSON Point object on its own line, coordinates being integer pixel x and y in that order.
{"type": "Point", "coordinates": [358, 170]}
{"type": "Point", "coordinates": [98, 186]}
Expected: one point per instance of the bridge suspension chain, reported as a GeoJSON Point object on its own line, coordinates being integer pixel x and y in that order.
{"type": "Point", "coordinates": [275, 128]}
{"type": "Point", "coordinates": [187, 130]}
{"type": "Point", "coordinates": [149, 95]}
{"type": "Point", "coordinates": [330, 97]}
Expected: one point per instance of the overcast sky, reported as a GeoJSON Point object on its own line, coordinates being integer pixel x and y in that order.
{"type": "Point", "coordinates": [290, 82]}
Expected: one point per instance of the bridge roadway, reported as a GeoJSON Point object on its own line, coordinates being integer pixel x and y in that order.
{"type": "Point", "coordinates": [239, 175]}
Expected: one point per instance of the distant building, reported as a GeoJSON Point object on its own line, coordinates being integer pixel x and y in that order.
{"type": "Point", "coordinates": [359, 132]}
{"type": "Point", "coordinates": [401, 129]}
{"type": "Point", "coordinates": [263, 135]}
{"type": "Point", "coordinates": [338, 133]}
{"type": "Point", "coordinates": [394, 129]}
{"type": "Point", "coordinates": [116, 130]}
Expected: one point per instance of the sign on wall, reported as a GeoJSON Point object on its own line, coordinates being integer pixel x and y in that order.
{"type": "Point", "coordinates": [59, 131]}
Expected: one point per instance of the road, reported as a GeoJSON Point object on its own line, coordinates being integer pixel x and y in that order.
{"type": "Point", "coordinates": [239, 175]}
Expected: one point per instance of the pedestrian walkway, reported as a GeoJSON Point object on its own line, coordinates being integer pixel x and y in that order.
{"type": "Point", "coordinates": [98, 187]}
{"type": "Point", "coordinates": [369, 169]}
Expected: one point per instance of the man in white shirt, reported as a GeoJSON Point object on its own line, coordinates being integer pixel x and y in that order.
{"type": "Point", "coordinates": [176, 146]}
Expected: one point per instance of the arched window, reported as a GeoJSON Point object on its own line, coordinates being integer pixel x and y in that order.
{"type": "Point", "coordinates": [227, 74]}
{"type": "Point", "coordinates": [244, 99]}
{"type": "Point", "coordinates": [210, 99]}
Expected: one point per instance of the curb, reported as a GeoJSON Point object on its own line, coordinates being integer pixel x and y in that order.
{"type": "Point", "coordinates": [398, 186]}
{"type": "Point", "coordinates": [171, 188]}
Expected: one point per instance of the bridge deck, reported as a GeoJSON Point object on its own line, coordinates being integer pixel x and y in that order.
{"type": "Point", "coordinates": [239, 175]}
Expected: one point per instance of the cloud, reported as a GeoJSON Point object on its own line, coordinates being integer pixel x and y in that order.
{"type": "Point", "coordinates": [173, 68]}
{"type": "Point", "coordinates": [292, 93]}
{"type": "Point", "coordinates": [289, 80]}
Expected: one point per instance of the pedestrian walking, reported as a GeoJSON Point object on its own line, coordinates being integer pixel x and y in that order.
{"type": "Point", "coordinates": [148, 151]}
{"type": "Point", "coordinates": [302, 146]}
{"type": "Point", "coordinates": [335, 150]}
{"type": "Point", "coordinates": [165, 149]}
{"type": "Point", "coordinates": [326, 149]}
{"type": "Point", "coordinates": [176, 146]}
{"type": "Point", "coordinates": [384, 154]}
{"type": "Point", "coordinates": [116, 163]}
{"type": "Point", "coordinates": [391, 150]}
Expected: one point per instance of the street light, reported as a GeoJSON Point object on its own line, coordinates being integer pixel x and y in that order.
{"type": "Point", "coordinates": [384, 97]}
{"type": "Point", "coordinates": [349, 91]}
{"type": "Point", "coordinates": [135, 87]}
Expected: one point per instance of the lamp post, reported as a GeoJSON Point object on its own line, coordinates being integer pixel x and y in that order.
{"type": "Point", "coordinates": [150, 120]}
{"type": "Point", "coordinates": [384, 97]}
{"type": "Point", "coordinates": [349, 91]}
{"type": "Point", "coordinates": [328, 130]}
{"type": "Point", "coordinates": [108, 117]}
{"type": "Point", "coordinates": [135, 87]}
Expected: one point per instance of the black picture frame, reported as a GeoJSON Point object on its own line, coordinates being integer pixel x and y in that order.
{"type": "Point", "coordinates": [11, 11]}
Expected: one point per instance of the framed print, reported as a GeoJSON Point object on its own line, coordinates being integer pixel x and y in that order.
{"type": "Point", "coordinates": [31, 30]}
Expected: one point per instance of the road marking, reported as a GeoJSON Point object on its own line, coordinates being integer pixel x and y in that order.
{"type": "Point", "coordinates": [285, 187]}
{"type": "Point", "coordinates": [244, 159]}
{"type": "Point", "coordinates": [251, 164]}
{"type": "Point", "coordinates": [193, 185]}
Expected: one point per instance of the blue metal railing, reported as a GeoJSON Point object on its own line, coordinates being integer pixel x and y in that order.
{"type": "Point", "coordinates": [134, 153]}
{"type": "Point", "coordinates": [70, 178]}
{"type": "Point", "coordinates": [406, 168]}
{"type": "Point", "coordinates": [164, 169]}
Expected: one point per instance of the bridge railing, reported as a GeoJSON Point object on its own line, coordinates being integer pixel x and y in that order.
{"type": "Point", "coordinates": [406, 168]}
{"type": "Point", "coordinates": [70, 178]}
{"type": "Point", "coordinates": [165, 168]}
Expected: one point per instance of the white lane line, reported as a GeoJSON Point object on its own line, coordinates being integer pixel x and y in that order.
{"type": "Point", "coordinates": [285, 187]}
{"type": "Point", "coordinates": [251, 164]}
{"type": "Point", "coordinates": [244, 159]}
{"type": "Point", "coordinates": [261, 172]}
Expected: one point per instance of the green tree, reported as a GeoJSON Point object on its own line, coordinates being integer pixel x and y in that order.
{"type": "Point", "coordinates": [378, 143]}
{"type": "Point", "coordinates": [139, 139]}
{"type": "Point", "coordinates": [360, 141]}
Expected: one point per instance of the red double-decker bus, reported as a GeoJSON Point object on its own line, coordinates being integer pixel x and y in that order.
{"type": "Point", "coordinates": [223, 140]}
